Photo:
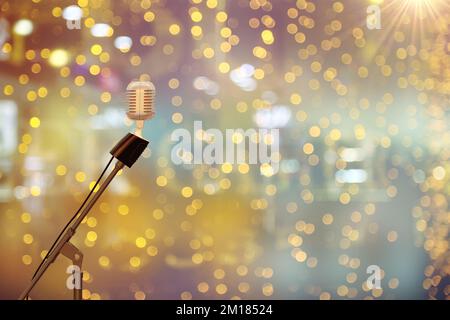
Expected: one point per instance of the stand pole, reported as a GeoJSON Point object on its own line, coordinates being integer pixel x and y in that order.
{"type": "Point", "coordinates": [71, 230]}
{"type": "Point", "coordinates": [126, 151]}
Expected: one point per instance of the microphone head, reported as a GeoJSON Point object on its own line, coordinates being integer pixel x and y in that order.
{"type": "Point", "coordinates": [141, 98]}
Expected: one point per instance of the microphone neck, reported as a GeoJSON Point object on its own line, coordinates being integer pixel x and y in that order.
{"type": "Point", "coordinates": [139, 127]}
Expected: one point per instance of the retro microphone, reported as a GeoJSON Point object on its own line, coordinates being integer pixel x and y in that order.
{"type": "Point", "coordinates": [141, 98]}
{"type": "Point", "coordinates": [141, 95]}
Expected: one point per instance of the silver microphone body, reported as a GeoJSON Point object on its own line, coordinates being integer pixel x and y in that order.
{"type": "Point", "coordinates": [141, 99]}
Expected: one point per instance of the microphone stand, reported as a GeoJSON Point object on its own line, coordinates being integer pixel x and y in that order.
{"type": "Point", "coordinates": [126, 151]}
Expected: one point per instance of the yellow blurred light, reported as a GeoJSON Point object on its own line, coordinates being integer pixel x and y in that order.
{"type": "Point", "coordinates": [186, 295]}
{"type": "Point", "coordinates": [197, 258]}
{"type": "Point", "coordinates": [141, 242]}
{"type": "Point", "coordinates": [161, 181]}
{"type": "Point", "coordinates": [45, 53]}
{"type": "Point", "coordinates": [335, 134]}
{"type": "Point", "coordinates": [295, 99]}
{"type": "Point", "coordinates": [91, 186]}
{"type": "Point", "coordinates": [6, 48]}
{"type": "Point", "coordinates": [28, 238]}
{"type": "Point", "coordinates": [57, 12]}
{"type": "Point", "coordinates": [8, 90]}
{"type": "Point", "coordinates": [211, 4]}
{"type": "Point", "coordinates": [327, 219]}
{"type": "Point", "coordinates": [359, 132]}
{"type": "Point", "coordinates": [91, 222]}
{"type": "Point", "coordinates": [196, 31]}
{"type": "Point", "coordinates": [26, 138]}
{"type": "Point", "coordinates": [227, 167]}
{"type": "Point", "coordinates": [96, 49]}
{"type": "Point", "coordinates": [150, 233]}
{"type": "Point", "coordinates": [105, 97]}
{"type": "Point", "coordinates": [65, 92]}
{"type": "Point", "coordinates": [308, 148]}
{"type": "Point", "coordinates": [64, 72]}
{"type": "Point", "coordinates": [30, 54]}
{"type": "Point", "coordinates": [25, 217]}
{"type": "Point", "coordinates": [24, 79]}
{"type": "Point", "coordinates": [91, 236]}
{"type": "Point", "coordinates": [439, 173]}
{"type": "Point", "coordinates": [225, 47]}
{"type": "Point", "coordinates": [234, 40]}
{"type": "Point", "coordinates": [314, 131]}
{"type": "Point", "coordinates": [385, 142]}
{"type": "Point", "coordinates": [61, 170]}
{"type": "Point", "coordinates": [186, 192]}
{"type": "Point", "coordinates": [158, 214]}
{"type": "Point", "coordinates": [80, 176]}
{"type": "Point", "coordinates": [392, 236]}
{"type": "Point", "coordinates": [300, 256]}
{"type": "Point", "coordinates": [135, 262]}
{"type": "Point", "coordinates": [31, 95]}
{"type": "Point", "coordinates": [344, 198]}
{"type": "Point", "coordinates": [42, 92]}
{"type": "Point", "coordinates": [224, 67]}
{"type": "Point", "coordinates": [267, 289]}
{"type": "Point", "coordinates": [266, 170]}
{"type": "Point", "coordinates": [177, 118]}
{"type": "Point", "coordinates": [225, 32]}
{"type": "Point", "coordinates": [149, 16]}
{"type": "Point", "coordinates": [23, 27]}
{"type": "Point", "coordinates": [35, 191]}
{"type": "Point", "coordinates": [174, 83]}
{"type": "Point", "coordinates": [89, 22]}
{"type": "Point", "coordinates": [79, 81]}
{"type": "Point", "coordinates": [22, 148]}
{"type": "Point", "coordinates": [267, 37]}
{"type": "Point", "coordinates": [259, 52]}
{"type": "Point", "coordinates": [225, 183]}
{"type": "Point", "coordinates": [221, 16]}
{"type": "Point", "coordinates": [139, 295]}
{"type": "Point", "coordinates": [152, 251]}
{"type": "Point", "coordinates": [83, 3]}
{"type": "Point", "coordinates": [123, 209]}
{"type": "Point", "coordinates": [259, 74]}
{"type": "Point", "coordinates": [58, 58]}
{"type": "Point", "coordinates": [168, 49]}
{"type": "Point", "coordinates": [174, 29]}
{"type": "Point", "coordinates": [35, 122]}
{"type": "Point", "coordinates": [196, 16]}
{"type": "Point", "coordinates": [94, 69]}
{"type": "Point", "coordinates": [363, 72]}
{"type": "Point", "coordinates": [103, 261]}
{"type": "Point", "coordinates": [104, 57]}
{"type": "Point", "coordinates": [301, 115]}
{"type": "Point", "coordinates": [208, 53]}
{"type": "Point", "coordinates": [203, 287]}
{"type": "Point", "coordinates": [26, 259]}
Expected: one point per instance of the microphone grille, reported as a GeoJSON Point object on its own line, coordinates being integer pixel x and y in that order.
{"type": "Point", "coordinates": [141, 99]}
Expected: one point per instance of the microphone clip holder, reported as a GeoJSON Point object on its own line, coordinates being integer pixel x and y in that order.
{"type": "Point", "coordinates": [129, 149]}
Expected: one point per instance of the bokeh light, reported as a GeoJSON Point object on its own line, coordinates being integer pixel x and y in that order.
{"type": "Point", "coordinates": [363, 162]}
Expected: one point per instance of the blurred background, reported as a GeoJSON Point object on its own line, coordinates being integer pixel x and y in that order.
{"type": "Point", "coordinates": [364, 147]}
